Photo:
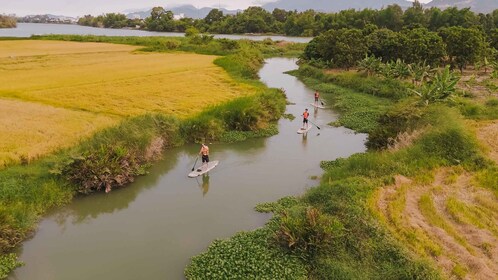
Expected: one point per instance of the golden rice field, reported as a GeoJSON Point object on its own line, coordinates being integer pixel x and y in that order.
{"type": "Point", "coordinates": [52, 94]}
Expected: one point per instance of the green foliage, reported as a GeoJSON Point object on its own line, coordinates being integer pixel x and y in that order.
{"type": "Point", "coordinates": [339, 48]}
{"type": "Point", "coordinates": [109, 20]}
{"type": "Point", "coordinates": [244, 256]}
{"type": "Point", "coordinates": [8, 263]}
{"type": "Point", "coordinates": [307, 232]}
{"type": "Point", "coordinates": [370, 64]}
{"type": "Point", "coordinates": [440, 88]}
{"type": "Point", "coordinates": [238, 119]}
{"type": "Point", "coordinates": [386, 44]}
{"type": "Point", "coordinates": [423, 45]}
{"type": "Point", "coordinates": [191, 31]}
{"type": "Point", "coordinates": [463, 45]}
{"type": "Point", "coordinates": [115, 156]}
{"type": "Point", "coordinates": [160, 20]}
{"type": "Point", "coordinates": [233, 136]}
{"type": "Point", "coordinates": [245, 63]}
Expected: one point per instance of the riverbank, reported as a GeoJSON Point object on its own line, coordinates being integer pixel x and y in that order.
{"type": "Point", "coordinates": [351, 226]}
{"type": "Point", "coordinates": [116, 155]}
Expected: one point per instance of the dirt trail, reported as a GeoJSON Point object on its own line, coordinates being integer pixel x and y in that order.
{"type": "Point", "coordinates": [463, 250]}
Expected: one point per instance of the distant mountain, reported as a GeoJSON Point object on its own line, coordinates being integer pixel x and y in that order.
{"type": "Point", "coordinates": [188, 11]}
{"type": "Point", "coordinates": [480, 6]}
{"type": "Point", "coordinates": [333, 5]}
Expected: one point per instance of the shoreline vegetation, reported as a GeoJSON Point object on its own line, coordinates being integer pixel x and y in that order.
{"type": "Point", "coordinates": [7, 22]}
{"type": "Point", "coordinates": [114, 156]}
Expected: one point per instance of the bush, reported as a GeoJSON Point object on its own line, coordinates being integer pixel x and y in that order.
{"type": "Point", "coordinates": [306, 231]}
{"type": "Point", "coordinates": [115, 156]}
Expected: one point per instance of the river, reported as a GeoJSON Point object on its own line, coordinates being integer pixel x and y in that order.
{"type": "Point", "coordinates": [150, 229]}
{"type": "Point", "coordinates": [28, 29]}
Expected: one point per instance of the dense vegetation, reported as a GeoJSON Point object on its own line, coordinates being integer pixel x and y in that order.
{"type": "Point", "coordinates": [27, 191]}
{"type": "Point", "coordinates": [312, 23]}
{"type": "Point", "coordinates": [7, 22]}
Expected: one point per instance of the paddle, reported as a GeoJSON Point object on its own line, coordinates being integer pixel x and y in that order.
{"type": "Point", "coordinates": [315, 125]}
{"type": "Point", "coordinates": [323, 104]}
{"type": "Point", "coordinates": [193, 167]}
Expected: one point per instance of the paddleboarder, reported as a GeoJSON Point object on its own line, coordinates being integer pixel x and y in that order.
{"type": "Point", "coordinates": [204, 152]}
{"type": "Point", "coordinates": [317, 97]}
{"type": "Point", "coordinates": [305, 115]}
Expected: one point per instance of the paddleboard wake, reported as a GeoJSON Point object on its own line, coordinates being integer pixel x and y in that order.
{"type": "Point", "coordinates": [301, 130]}
{"type": "Point", "coordinates": [203, 169]}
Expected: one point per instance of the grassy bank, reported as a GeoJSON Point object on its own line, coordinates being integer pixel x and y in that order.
{"type": "Point", "coordinates": [346, 227]}
{"type": "Point", "coordinates": [112, 157]}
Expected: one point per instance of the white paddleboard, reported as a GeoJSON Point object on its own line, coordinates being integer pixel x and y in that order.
{"type": "Point", "coordinates": [203, 169]}
{"type": "Point", "coordinates": [317, 106]}
{"type": "Point", "coordinates": [302, 131]}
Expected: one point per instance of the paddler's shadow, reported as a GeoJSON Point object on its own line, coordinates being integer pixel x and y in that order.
{"type": "Point", "coordinates": [205, 184]}
{"type": "Point", "coordinates": [305, 139]}
{"type": "Point", "coordinates": [315, 112]}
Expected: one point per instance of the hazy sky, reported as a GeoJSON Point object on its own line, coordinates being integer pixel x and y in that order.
{"type": "Point", "coordinates": [97, 7]}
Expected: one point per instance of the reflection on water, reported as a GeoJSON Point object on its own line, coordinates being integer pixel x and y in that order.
{"type": "Point", "coordinates": [152, 228]}
{"type": "Point", "coordinates": [305, 139]}
{"type": "Point", "coordinates": [205, 184]}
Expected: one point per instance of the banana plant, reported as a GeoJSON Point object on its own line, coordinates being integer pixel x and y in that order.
{"type": "Point", "coordinates": [370, 65]}
{"type": "Point", "coordinates": [440, 88]}
{"type": "Point", "coordinates": [419, 72]}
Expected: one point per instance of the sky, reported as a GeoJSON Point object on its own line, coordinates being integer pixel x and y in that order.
{"type": "Point", "coordinates": [96, 7]}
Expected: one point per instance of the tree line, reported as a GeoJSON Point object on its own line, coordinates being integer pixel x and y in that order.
{"type": "Point", "coordinates": [7, 22]}
{"type": "Point", "coordinates": [307, 23]}
{"type": "Point", "coordinates": [111, 20]}
{"type": "Point", "coordinates": [456, 46]}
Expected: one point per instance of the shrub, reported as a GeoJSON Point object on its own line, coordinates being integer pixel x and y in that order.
{"type": "Point", "coordinates": [306, 231]}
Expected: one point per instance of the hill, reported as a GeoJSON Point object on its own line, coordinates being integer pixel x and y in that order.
{"type": "Point", "coordinates": [333, 5]}
{"type": "Point", "coordinates": [480, 6]}
{"type": "Point", "coordinates": [187, 10]}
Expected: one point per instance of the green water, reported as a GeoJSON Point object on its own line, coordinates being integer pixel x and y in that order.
{"type": "Point", "coordinates": [150, 229]}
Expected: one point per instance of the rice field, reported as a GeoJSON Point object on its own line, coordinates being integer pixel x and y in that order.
{"type": "Point", "coordinates": [52, 94]}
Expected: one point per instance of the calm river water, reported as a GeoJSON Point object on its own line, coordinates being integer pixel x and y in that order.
{"type": "Point", "coordinates": [152, 228]}
{"type": "Point", "coordinates": [28, 29]}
